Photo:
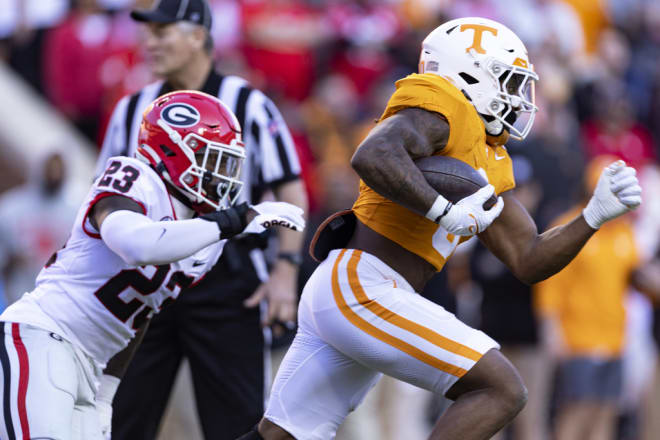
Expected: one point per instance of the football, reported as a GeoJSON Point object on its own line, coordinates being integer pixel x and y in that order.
{"type": "Point", "coordinates": [453, 178]}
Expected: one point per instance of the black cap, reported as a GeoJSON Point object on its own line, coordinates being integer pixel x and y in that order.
{"type": "Point", "coordinates": [170, 11]}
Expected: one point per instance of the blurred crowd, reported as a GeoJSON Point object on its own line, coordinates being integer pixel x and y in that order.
{"type": "Point", "coordinates": [330, 65]}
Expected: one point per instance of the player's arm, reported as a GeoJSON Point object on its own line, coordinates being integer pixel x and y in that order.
{"type": "Point", "coordinates": [513, 237]}
{"type": "Point", "coordinates": [140, 241]}
{"type": "Point", "coordinates": [533, 257]}
{"type": "Point", "coordinates": [384, 161]}
{"type": "Point", "coordinates": [646, 279]}
{"type": "Point", "coordinates": [292, 192]}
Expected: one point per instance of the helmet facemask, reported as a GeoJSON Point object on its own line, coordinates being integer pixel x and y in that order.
{"type": "Point", "coordinates": [212, 181]}
{"type": "Point", "coordinates": [513, 104]}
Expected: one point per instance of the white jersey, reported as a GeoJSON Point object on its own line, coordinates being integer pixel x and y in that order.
{"type": "Point", "coordinates": [87, 293]}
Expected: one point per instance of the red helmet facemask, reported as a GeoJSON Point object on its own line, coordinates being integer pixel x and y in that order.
{"type": "Point", "coordinates": [194, 143]}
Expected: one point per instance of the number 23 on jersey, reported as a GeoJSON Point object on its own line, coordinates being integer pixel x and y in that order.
{"type": "Point", "coordinates": [118, 177]}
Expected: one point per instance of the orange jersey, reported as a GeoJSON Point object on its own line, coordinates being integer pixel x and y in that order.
{"type": "Point", "coordinates": [467, 142]}
{"type": "Point", "coordinates": [588, 295]}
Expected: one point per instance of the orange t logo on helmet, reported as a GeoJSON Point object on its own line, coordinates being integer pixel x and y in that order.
{"type": "Point", "coordinates": [479, 29]}
{"type": "Point", "coordinates": [520, 62]}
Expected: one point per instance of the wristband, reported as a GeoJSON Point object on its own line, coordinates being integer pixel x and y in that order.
{"type": "Point", "coordinates": [231, 221]}
{"type": "Point", "coordinates": [291, 257]}
{"type": "Point", "coordinates": [444, 213]}
{"type": "Point", "coordinates": [591, 217]}
{"type": "Point", "coordinates": [439, 209]}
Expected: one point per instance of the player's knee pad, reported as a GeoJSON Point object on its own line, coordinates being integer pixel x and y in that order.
{"type": "Point", "coordinates": [252, 435]}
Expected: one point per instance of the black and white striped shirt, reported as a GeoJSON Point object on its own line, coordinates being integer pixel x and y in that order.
{"type": "Point", "coordinates": [271, 154]}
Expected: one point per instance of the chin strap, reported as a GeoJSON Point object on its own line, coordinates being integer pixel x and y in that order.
{"type": "Point", "coordinates": [173, 190]}
{"type": "Point", "coordinates": [176, 193]}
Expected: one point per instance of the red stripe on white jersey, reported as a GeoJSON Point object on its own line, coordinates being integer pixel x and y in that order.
{"type": "Point", "coordinates": [24, 375]}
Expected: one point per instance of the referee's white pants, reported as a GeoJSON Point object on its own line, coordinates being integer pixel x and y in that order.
{"type": "Point", "coordinates": [358, 318]}
{"type": "Point", "coordinates": [47, 387]}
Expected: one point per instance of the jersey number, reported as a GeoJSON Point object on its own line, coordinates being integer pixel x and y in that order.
{"type": "Point", "coordinates": [123, 183]}
{"type": "Point", "coordinates": [108, 294]}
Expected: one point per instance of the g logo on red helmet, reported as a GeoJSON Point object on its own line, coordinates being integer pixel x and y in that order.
{"type": "Point", "coordinates": [180, 115]}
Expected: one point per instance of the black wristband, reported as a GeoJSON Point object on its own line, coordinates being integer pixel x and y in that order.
{"type": "Point", "coordinates": [231, 221]}
{"type": "Point", "coordinates": [444, 213]}
{"type": "Point", "coordinates": [291, 257]}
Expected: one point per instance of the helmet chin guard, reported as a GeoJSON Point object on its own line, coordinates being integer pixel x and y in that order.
{"type": "Point", "coordinates": [489, 63]}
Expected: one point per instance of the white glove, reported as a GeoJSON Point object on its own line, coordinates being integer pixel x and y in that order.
{"type": "Point", "coordinates": [276, 214]}
{"type": "Point", "coordinates": [104, 396]}
{"type": "Point", "coordinates": [468, 216]}
{"type": "Point", "coordinates": [617, 192]}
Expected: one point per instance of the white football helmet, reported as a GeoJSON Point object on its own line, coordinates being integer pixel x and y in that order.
{"type": "Point", "coordinates": [490, 65]}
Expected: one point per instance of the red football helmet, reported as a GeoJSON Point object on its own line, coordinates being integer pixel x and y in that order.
{"type": "Point", "coordinates": [194, 142]}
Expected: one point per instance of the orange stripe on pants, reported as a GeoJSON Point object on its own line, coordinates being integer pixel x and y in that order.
{"type": "Point", "coordinates": [401, 322]}
{"type": "Point", "coordinates": [374, 331]}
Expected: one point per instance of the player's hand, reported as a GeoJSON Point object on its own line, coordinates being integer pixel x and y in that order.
{"type": "Point", "coordinates": [617, 192]}
{"type": "Point", "coordinates": [281, 294]}
{"type": "Point", "coordinates": [244, 218]}
{"type": "Point", "coordinates": [269, 214]}
{"type": "Point", "coordinates": [468, 216]}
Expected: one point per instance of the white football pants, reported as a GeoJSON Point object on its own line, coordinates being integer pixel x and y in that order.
{"type": "Point", "coordinates": [47, 387]}
{"type": "Point", "coordinates": [358, 318]}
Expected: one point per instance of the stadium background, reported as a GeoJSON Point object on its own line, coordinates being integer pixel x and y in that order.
{"type": "Point", "coordinates": [330, 66]}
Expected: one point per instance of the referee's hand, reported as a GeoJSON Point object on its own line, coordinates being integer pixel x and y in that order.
{"type": "Point", "coordinates": [280, 293]}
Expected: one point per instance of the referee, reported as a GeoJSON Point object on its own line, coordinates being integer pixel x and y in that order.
{"type": "Point", "coordinates": [217, 325]}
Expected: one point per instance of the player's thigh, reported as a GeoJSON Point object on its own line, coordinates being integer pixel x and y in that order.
{"type": "Point", "coordinates": [39, 384]}
{"type": "Point", "coordinates": [381, 323]}
{"type": "Point", "coordinates": [316, 387]}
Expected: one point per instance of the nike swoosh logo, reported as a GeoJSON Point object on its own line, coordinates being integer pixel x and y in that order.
{"type": "Point", "coordinates": [161, 234]}
{"type": "Point", "coordinates": [499, 157]}
{"type": "Point", "coordinates": [198, 263]}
